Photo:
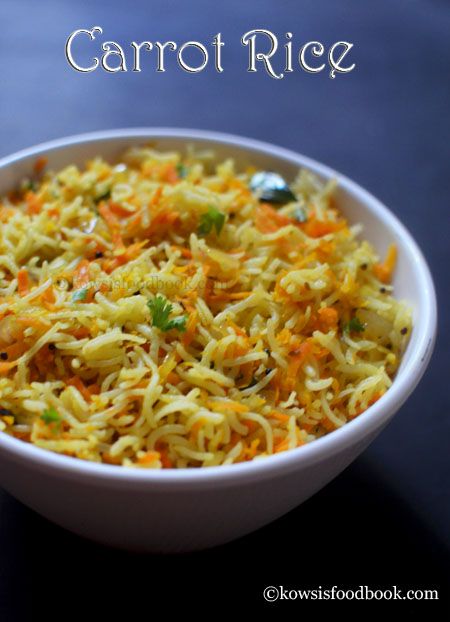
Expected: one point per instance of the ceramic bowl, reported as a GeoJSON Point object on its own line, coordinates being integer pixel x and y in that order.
{"type": "Point", "coordinates": [188, 509]}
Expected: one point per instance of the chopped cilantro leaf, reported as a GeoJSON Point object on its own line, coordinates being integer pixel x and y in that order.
{"type": "Point", "coordinates": [79, 294]}
{"type": "Point", "coordinates": [50, 416]}
{"type": "Point", "coordinates": [354, 326]}
{"type": "Point", "coordinates": [181, 170]}
{"type": "Point", "coordinates": [29, 185]}
{"type": "Point", "coordinates": [212, 218]}
{"type": "Point", "coordinates": [161, 308]}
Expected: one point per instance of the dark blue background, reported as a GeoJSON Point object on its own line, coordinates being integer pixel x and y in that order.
{"type": "Point", "coordinates": [386, 519]}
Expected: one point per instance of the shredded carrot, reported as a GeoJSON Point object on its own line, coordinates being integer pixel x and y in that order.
{"type": "Point", "coordinates": [239, 295]}
{"type": "Point", "coordinates": [40, 164]}
{"type": "Point", "coordinates": [6, 213]}
{"type": "Point", "coordinates": [6, 367]}
{"type": "Point", "coordinates": [80, 333]}
{"type": "Point", "coordinates": [234, 439]}
{"type": "Point", "coordinates": [325, 249]}
{"type": "Point", "coordinates": [284, 336]}
{"type": "Point", "coordinates": [165, 460]}
{"type": "Point", "coordinates": [108, 459]}
{"type": "Point", "coordinates": [268, 220]}
{"type": "Point", "coordinates": [22, 435]}
{"type": "Point", "coordinates": [31, 321]}
{"type": "Point", "coordinates": [251, 450]}
{"type": "Point", "coordinates": [15, 350]}
{"type": "Point", "coordinates": [327, 424]}
{"type": "Point", "coordinates": [228, 405]}
{"type": "Point", "coordinates": [195, 428]}
{"type": "Point", "coordinates": [163, 451]}
{"type": "Point", "coordinates": [320, 353]}
{"type": "Point", "coordinates": [149, 457]}
{"type": "Point", "coordinates": [185, 252]}
{"type": "Point", "coordinates": [76, 382]}
{"type": "Point", "coordinates": [296, 360]}
{"type": "Point", "coordinates": [118, 243]}
{"type": "Point", "coordinates": [372, 401]}
{"type": "Point", "coordinates": [110, 218]}
{"type": "Point", "coordinates": [224, 296]}
{"type": "Point", "coordinates": [118, 210]}
{"type": "Point", "coordinates": [173, 378]}
{"type": "Point", "coordinates": [133, 223]}
{"type": "Point", "coordinates": [383, 271]}
{"type": "Point", "coordinates": [282, 446]}
{"type": "Point", "coordinates": [280, 294]}
{"type": "Point", "coordinates": [191, 326]}
{"type": "Point", "coordinates": [132, 251]}
{"type": "Point", "coordinates": [48, 298]}
{"type": "Point", "coordinates": [157, 196]}
{"type": "Point", "coordinates": [317, 228]}
{"type": "Point", "coordinates": [328, 319]}
{"type": "Point", "coordinates": [94, 389]}
{"type": "Point", "coordinates": [280, 416]}
{"type": "Point", "coordinates": [250, 425]}
{"type": "Point", "coordinates": [81, 274]}
{"type": "Point", "coordinates": [276, 384]}
{"type": "Point", "coordinates": [23, 283]}
{"type": "Point", "coordinates": [34, 203]}
{"type": "Point", "coordinates": [54, 212]}
{"type": "Point", "coordinates": [169, 173]}
{"type": "Point", "coordinates": [43, 359]}
{"type": "Point", "coordinates": [162, 222]}
{"type": "Point", "coordinates": [237, 329]}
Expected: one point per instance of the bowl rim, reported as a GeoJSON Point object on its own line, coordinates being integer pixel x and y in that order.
{"type": "Point", "coordinates": [374, 418]}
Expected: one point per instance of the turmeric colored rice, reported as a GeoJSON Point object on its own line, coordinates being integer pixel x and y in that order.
{"type": "Point", "coordinates": [162, 312]}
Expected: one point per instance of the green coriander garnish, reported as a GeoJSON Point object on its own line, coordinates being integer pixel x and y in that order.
{"type": "Point", "coordinates": [79, 294]}
{"type": "Point", "coordinates": [181, 170]}
{"type": "Point", "coordinates": [51, 416]}
{"type": "Point", "coordinates": [354, 326]}
{"type": "Point", "coordinates": [161, 308]}
{"type": "Point", "coordinates": [29, 185]}
{"type": "Point", "coordinates": [212, 218]}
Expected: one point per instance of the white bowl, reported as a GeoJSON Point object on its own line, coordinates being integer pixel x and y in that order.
{"type": "Point", "coordinates": [186, 509]}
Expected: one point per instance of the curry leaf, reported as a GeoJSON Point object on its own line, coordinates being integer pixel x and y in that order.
{"type": "Point", "coordinates": [271, 188]}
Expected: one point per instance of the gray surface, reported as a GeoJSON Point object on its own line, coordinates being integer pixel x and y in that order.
{"type": "Point", "coordinates": [387, 126]}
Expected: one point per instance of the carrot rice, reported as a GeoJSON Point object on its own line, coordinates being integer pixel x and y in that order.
{"type": "Point", "coordinates": [159, 312]}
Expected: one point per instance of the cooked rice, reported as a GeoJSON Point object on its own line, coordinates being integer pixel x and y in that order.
{"type": "Point", "coordinates": [291, 329]}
